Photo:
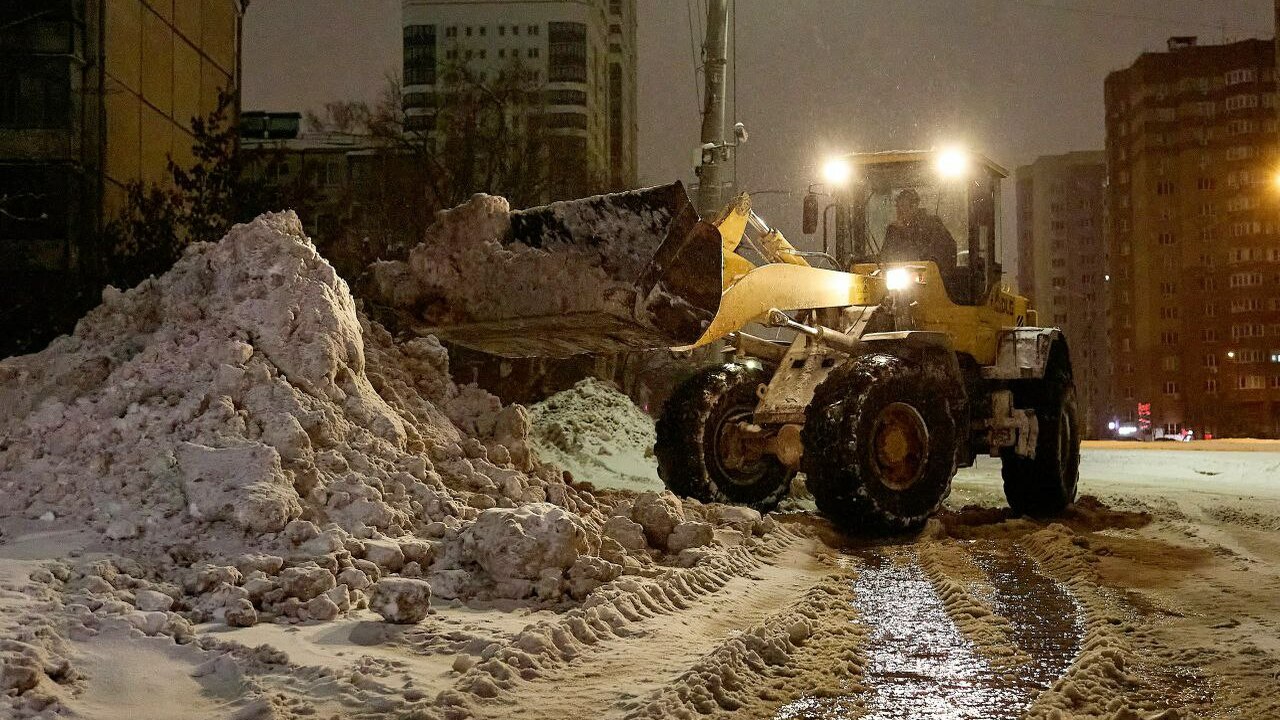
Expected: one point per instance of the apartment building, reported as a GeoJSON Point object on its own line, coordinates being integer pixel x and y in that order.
{"type": "Point", "coordinates": [579, 55]}
{"type": "Point", "coordinates": [94, 94]}
{"type": "Point", "coordinates": [1192, 239]}
{"type": "Point", "coordinates": [1061, 266]}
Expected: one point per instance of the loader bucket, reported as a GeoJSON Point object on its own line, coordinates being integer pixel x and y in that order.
{"type": "Point", "coordinates": [611, 273]}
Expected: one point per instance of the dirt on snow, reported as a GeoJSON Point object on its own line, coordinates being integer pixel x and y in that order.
{"type": "Point", "coordinates": [230, 494]}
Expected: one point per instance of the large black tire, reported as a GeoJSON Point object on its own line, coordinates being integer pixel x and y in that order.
{"type": "Point", "coordinates": [859, 414]}
{"type": "Point", "coordinates": [688, 436]}
{"type": "Point", "coordinates": [1045, 486]}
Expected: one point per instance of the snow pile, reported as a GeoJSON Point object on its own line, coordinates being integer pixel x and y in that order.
{"type": "Point", "coordinates": [598, 435]}
{"type": "Point", "coordinates": [566, 270]}
{"type": "Point", "coordinates": [247, 447]}
{"type": "Point", "coordinates": [463, 271]}
{"type": "Point", "coordinates": [239, 425]}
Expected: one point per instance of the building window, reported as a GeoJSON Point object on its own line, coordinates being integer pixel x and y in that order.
{"type": "Point", "coordinates": [418, 123]}
{"type": "Point", "coordinates": [1169, 313]}
{"type": "Point", "coordinates": [451, 31]}
{"type": "Point", "coordinates": [1248, 356]}
{"type": "Point", "coordinates": [1211, 385]}
{"type": "Point", "coordinates": [419, 100]}
{"type": "Point", "coordinates": [533, 52]}
{"type": "Point", "coordinates": [1205, 184]}
{"type": "Point", "coordinates": [576, 121]}
{"type": "Point", "coordinates": [533, 29]}
{"type": "Point", "coordinates": [1251, 382]}
{"type": "Point", "coordinates": [1242, 202]}
{"type": "Point", "coordinates": [1241, 102]}
{"type": "Point", "coordinates": [1209, 335]}
{"type": "Point", "coordinates": [1166, 238]}
{"type": "Point", "coordinates": [1169, 363]}
{"type": "Point", "coordinates": [1240, 305]}
{"type": "Point", "coordinates": [1241, 152]}
{"type": "Point", "coordinates": [1169, 337]}
{"type": "Point", "coordinates": [1164, 187]}
{"type": "Point", "coordinates": [1239, 280]}
{"type": "Point", "coordinates": [1242, 75]}
{"type": "Point", "coordinates": [419, 54]}
{"type": "Point", "coordinates": [35, 93]}
{"type": "Point", "coordinates": [566, 97]}
{"type": "Point", "coordinates": [1211, 361]}
{"type": "Point", "coordinates": [1170, 388]}
{"type": "Point", "coordinates": [567, 48]}
{"type": "Point", "coordinates": [1246, 330]}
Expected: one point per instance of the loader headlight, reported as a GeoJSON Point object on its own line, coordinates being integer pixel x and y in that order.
{"type": "Point", "coordinates": [952, 163]}
{"type": "Point", "coordinates": [898, 279]}
{"type": "Point", "coordinates": [837, 171]}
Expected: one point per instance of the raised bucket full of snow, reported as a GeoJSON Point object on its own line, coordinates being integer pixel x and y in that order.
{"type": "Point", "coordinates": [608, 273]}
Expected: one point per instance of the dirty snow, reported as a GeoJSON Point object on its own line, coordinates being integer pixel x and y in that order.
{"type": "Point", "coordinates": [231, 494]}
{"type": "Point", "coordinates": [598, 435]}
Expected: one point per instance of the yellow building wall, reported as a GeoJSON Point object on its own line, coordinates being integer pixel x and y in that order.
{"type": "Point", "coordinates": [165, 61]}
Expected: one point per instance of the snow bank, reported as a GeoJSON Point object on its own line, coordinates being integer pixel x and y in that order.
{"type": "Point", "coordinates": [246, 447]}
{"type": "Point", "coordinates": [598, 435]}
{"type": "Point", "coordinates": [240, 407]}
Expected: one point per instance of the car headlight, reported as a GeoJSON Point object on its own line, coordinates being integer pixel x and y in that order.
{"type": "Point", "coordinates": [897, 279]}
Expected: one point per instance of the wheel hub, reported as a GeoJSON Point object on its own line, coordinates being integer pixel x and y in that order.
{"type": "Point", "coordinates": [733, 456]}
{"type": "Point", "coordinates": [899, 446]}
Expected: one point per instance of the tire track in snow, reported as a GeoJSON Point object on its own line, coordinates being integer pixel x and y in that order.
{"type": "Point", "coordinates": [918, 664]}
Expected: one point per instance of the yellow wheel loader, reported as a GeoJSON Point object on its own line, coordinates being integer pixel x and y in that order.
{"type": "Point", "coordinates": [875, 377]}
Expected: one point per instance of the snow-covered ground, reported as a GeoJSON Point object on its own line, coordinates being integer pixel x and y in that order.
{"type": "Point", "coordinates": [231, 494]}
{"type": "Point", "coordinates": [1158, 599]}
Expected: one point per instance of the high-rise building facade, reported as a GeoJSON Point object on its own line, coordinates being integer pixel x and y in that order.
{"type": "Point", "coordinates": [579, 54]}
{"type": "Point", "coordinates": [1193, 242]}
{"type": "Point", "coordinates": [1061, 266]}
{"type": "Point", "coordinates": [94, 94]}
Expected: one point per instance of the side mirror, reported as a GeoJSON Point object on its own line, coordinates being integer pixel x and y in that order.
{"type": "Point", "coordinates": [811, 214]}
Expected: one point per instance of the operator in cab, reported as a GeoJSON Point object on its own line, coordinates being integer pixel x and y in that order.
{"type": "Point", "coordinates": [915, 234]}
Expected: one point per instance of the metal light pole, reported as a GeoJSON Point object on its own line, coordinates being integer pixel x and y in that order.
{"type": "Point", "coordinates": [715, 153]}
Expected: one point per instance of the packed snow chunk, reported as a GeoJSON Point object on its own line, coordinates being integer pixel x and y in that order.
{"type": "Point", "coordinates": [306, 581]}
{"type": "Point", "coordinates": [743, 519]}
{"type": "Point", "coordinates": [658, 515]}
{"type": "Point", "coordinates": [689, 535]}
{"type": "Point", "coordinates": [385, 554]}
{"type": "Point", "coordinates": [242, 484]}
{"type": "Point", "coordinates": [626, 532]}
{"type": "Point", "coordinates": [152, 601]}
{"type": "Point", "coordinates": [241, 614]}
{"type": "Point", "coordinates": [401, 600]}
{"type": "Point", "coordinates": [598, 435]}
{"type": "Point", "coordinates": [19, 672]}
{"type": "Point", "coordinates": [520, 543]}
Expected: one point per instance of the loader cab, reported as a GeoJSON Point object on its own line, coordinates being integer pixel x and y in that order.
{"type": "Point", "coordinates": [958, 188]}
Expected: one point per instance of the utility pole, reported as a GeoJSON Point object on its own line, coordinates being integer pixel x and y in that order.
{"type": "Point", "coordinates": [715, 153]}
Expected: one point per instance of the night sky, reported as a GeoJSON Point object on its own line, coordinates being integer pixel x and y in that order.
{"type": "Point", "coordinates": [1012, 78]}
